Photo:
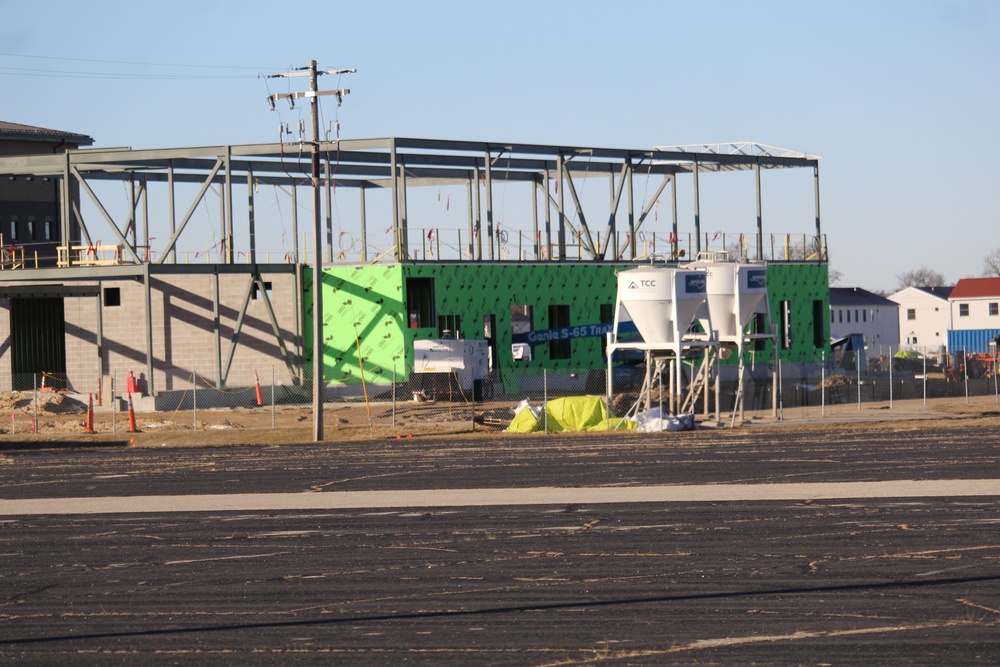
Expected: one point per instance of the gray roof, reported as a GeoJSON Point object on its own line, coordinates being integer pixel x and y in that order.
{"type": "Point", "coordinates": [940, 291]}
{"type": "Point", "coordinates": [18, 132]}
{"type": "Point", "coordinates": [856, 296]}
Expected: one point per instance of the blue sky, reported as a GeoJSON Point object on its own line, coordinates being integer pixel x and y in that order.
{"type": "Point", "coordinates": [900, 98]}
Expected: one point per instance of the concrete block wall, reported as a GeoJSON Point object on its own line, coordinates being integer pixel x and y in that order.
{"type": "Point", "coordinates": [183, 335]}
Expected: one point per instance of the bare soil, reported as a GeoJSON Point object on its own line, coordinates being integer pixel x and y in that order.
{"type": "Point", "coordinates": [62, 418]}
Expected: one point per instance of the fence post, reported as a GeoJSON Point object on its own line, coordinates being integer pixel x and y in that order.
{"type": "Point", "coordinates": [472, 402]}
{"type": "Point", "coordinates": [925, 379]}
{"type": "Point", "coordinates": [272, 398]}
{"type": "Point", "coordinates": [394, 390]}
{"type": "Point", "coordinates": [194, 399]}
{"type": "Point", "coordinates": [822, 384]}
{"type": "Point", "coordinates": [781, 391]}
{"type": "Point", "coordinates": [857, 367]}
{"type": "Point", "coordinates": [965, 365]}
{"type": "Point", "coordinates": [545, 399]}
{"type": "Point", "coordinates": [775, 385]}
{"type": "Point", "coordinates": [114, 406]}
{"type": "Point", "coordinates": [890, 377]}
{"type": "Point", "coordinates": [34, 383]}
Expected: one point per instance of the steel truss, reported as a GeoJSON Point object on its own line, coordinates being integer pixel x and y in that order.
{"type": "Point", "coordinates": [394, 165]}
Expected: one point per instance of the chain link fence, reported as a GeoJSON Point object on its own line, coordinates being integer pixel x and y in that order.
{"type": "Point", "coordinates": [406, 401]}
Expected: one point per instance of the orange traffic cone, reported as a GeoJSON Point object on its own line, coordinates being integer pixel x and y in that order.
{"type": "Point", "coordinates": [132, 428]}
{"type": "Point", "coordinates": [99, 401]}
{"type": "Point", "coordinates": [260, 395]}
{"type": "Point", "coordinates": [89, 425]}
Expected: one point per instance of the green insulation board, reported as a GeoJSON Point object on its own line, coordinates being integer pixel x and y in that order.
{"type": "Point", "coordinates": [373, 313]}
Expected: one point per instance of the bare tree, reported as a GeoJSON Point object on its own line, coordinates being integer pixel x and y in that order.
{"type": "Point", "coordinates": [835, 276]}
{"type": "Point", "coordinates": [922, 277]}
{"type": "Point", "coordinates": [991, 264]}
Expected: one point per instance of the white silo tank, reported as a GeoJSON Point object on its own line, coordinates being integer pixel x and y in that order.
{"type": "Point", "coordinates": [751, 292]}
{"type": "Point", "coordinates": [661, 301]}
{"type": "Point", "coordinates": [734, 292]}
{"type": "Point", "coordinates": [720, 294]}
{"type": "Point", "coordinates": [647, 295]}
{"type": "Point", "coordinates": [690, 285]}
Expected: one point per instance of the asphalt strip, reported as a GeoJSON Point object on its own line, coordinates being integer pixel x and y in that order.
{"type": "Point", "coordinates": [431, 498]}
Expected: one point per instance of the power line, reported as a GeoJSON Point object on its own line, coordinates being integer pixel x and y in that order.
{"type": "Point", "coordinates": [142, 64]}
{"type": "Point", "coordinates": [75, 74]}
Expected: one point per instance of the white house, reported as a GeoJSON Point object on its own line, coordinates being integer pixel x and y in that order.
{"type": "Point", "coordinates": [975, 304]}
{"type": "Point", "coordinates": [924, 317]}
{"type": "Point", "coordinates": [857, 311]}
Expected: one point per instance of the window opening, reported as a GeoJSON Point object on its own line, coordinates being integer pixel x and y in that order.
{"type": "Point", "coordinates": [420, 302]}
{"type": "Point", "coordinates": [255, 293]}
{"type": "Point", "coordinates": [558, 318]}
{"type": "Point", "coordinates": [819, 330]}
{"type": "Point", "coordinates": [112, 297]}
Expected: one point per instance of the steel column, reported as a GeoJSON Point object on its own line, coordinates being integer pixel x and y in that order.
{"type": "Point", "coordinates": [297, 252]}
{"type": "Point", "coordinates": [144, 194]}
{"type": "Point", "coordinates": [760, 216]}
{"type": "Point", "coordinates": [329, 210]}
{"type": "Point", "coordinates": [631, 217]}
{"type": "Point", "coordinates": [171, 210]}
{"type": "Point", "coordinates": [534, 219]}
{"type": "Point", "coordinates": [674, 250]}
{"type": "Point", "coordinates": [100, 335]}
{"type": "Point", "coordinates": [479, 215]}
{"type": "Point", "coordinates": [471, 252]}
{"type": "Point", "coordinates": [364, 226]}
{"type": "Point", "coordinates": [149, 330]}
{"type": "Point", "coordinates": [560, 167]}
{"type": "Point", "coordinates": [548, 215]}
{"type": "Point", "coordinates": [404, 222]}
{"type": "Point", "coordinates": [251, 220]}
{"type": "Point", "coordinates": [398, 254]}
{"type": "Point", "coordinates": [228, 218]}
{"type": "Point", "coordinates": [216, 328]}
{"type": "Point", "coordinates": [64, 207]}
{"type": "Point", "coordinates": [697, 209]}
{"type": "Point", "coordinates": [819, 231]}
{"type": "Point", "coordinates": [489, 202]}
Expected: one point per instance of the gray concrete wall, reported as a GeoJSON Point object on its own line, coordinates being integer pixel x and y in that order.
{"type": "Point", "coordinates": [183, 335]}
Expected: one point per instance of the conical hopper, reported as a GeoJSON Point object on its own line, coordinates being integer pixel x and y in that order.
{"type": "Point", "coordinates": [690, 292]}
{"type": "Point", "coordinates": [647, 294]}
{"type": "Point", "coordinates": [720, 295]}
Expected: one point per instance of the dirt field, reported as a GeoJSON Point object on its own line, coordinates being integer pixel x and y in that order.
{"type": "Point", "coordinates": [62, 419]}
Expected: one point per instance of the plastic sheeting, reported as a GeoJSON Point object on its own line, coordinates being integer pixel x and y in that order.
{"type": "Point", "coordinates": [571, 413]}
{"type": "Point", "coordinates": [655, 420]}
{"type": "Point", "coordinates": [588, 413]}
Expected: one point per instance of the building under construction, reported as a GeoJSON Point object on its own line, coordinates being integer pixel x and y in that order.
{"type": "Point", "coordinates": [184, 262]}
